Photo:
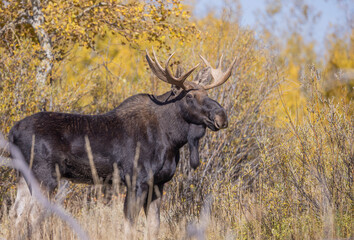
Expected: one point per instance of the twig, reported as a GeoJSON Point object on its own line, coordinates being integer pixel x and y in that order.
{"type": "Point", "coordinates": [95, 177]}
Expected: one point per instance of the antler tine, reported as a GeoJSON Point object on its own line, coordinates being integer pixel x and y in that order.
{"type": "Point", "coordinates": [156, 69]}
{"type": "Point", "coordinates": [219, 77]}
{"type": "Point", "coordinates": [220, 61]}
{"type": "Point", "coordinates": [205, 61]}
{"type": "Point", "coordinates": [166, 74]}
{"type": "Point", "coordinates": [186, 75]}
{"type": "Point", "coordinates": [157, 62]}
{"type": "Point", "coordinates": [182, 78]}
{"type": "Point", "coordinates": [168, 71]}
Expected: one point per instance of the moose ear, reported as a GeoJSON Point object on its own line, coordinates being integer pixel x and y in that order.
{"type": "Point", "coordinates": [195, 133]}
{"type": "Point", "coordinates": [179, 72]}
{"type": "Point", "coordinates": [175, 90]}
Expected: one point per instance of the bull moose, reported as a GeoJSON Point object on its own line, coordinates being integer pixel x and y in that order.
{"type": "Point", "coordinates": [155, 126]}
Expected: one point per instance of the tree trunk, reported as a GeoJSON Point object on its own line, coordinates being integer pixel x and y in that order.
{"type": "Point", "coordinates": [46, 64]}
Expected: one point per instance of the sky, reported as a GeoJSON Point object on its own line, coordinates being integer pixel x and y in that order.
{"type": "Point", "coordinates": [332, 17]}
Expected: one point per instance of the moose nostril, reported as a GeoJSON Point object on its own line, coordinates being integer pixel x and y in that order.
{"type": "Point", "coordinates": [220, 122]}
{"type": "Point", "coordinates": [221, 125]}
{"type": "Point", "coordinates": [217, 125]}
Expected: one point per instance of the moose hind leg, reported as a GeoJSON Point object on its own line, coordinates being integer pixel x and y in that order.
{"type": "Point", "coordinates": [25, 206]}
{"type": "Point", "coordinates": [23, 197]}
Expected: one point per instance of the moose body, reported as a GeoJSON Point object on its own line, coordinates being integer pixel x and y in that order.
{"type": "Point", "coordinates": [157, 126]}
{"type": "Point", "coordinates": [147, 128]}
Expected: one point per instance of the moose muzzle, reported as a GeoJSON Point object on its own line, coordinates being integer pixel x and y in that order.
{"type": "Point", "coordinates": [220, 120]}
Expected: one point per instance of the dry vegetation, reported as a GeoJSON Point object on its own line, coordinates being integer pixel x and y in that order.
{"type": "Point", "coordinates": [277, 171]}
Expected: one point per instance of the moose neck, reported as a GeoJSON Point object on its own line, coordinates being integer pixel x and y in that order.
{"type": "Point", "coordinates": [163, 113]}
{"type": "Point", "coordinates": [178, 129]}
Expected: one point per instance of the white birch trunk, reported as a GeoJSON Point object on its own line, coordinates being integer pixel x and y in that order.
{"type": "Point", "coordinates": [46, 64]}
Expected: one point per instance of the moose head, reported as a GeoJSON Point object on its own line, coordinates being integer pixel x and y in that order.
{"type": "Point", "coordinates": [197, 108]}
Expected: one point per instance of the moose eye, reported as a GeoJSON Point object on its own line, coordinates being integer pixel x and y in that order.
{"type": "Point", "coordinates": [189, 96]}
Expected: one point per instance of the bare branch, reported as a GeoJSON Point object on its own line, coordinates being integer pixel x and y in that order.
{"type": "Point", "coordinates": [21, 19]}
{"type": "Point", "coordinates": [87, 9]}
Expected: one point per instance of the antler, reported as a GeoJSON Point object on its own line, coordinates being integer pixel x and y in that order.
{"type": "Point", "coordinates": [219, 77]}
{"type": "Point", "coordinates": [165, 74]}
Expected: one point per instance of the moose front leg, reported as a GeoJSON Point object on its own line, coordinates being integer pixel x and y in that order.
{"type": "Point", "coordinates": [133, 203]}
{"type": "Point", "coordinates": [152, 212]}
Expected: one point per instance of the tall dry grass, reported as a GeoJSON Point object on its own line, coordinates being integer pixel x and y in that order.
{"type": "Point", "coordinates": [264, 177]}
{"type": "Point", "coordinates": [257, 181]}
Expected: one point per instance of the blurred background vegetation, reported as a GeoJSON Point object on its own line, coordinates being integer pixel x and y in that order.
{"type": "Point", "coordinates": [284, 167]}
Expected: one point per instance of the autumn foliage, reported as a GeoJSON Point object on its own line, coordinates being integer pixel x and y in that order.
{"type": "Point", "coordinates": [283, 169]}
